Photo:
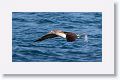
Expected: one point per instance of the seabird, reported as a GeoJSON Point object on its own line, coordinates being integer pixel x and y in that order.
{"type": "Point", "coordinates": [70, 37]}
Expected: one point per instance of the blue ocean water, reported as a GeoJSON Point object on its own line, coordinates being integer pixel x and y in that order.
{"type": "Point", "coordinates": [29, 26]}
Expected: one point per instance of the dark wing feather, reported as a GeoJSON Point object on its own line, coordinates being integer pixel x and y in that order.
{"type": "Point", "coordinates": [46, 37]}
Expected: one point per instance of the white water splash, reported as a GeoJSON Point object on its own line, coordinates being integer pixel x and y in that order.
{"type": "Point", "coordinates": [86, 38]}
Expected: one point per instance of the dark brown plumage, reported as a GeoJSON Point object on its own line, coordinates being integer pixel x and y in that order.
{"type": "Point", "coordinates": [71, 37]}
{"type": "Point", "coordinates": [46, 37]}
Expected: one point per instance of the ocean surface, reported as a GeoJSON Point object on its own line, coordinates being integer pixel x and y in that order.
{"type": "Point", "coordinates": [29, 26]}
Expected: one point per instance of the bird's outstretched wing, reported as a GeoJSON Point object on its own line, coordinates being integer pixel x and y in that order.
{"type": "Point", "coordinates": [46, 37]}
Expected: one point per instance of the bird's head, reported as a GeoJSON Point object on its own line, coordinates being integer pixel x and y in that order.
{"type": "Point", "coordinates": [71, 37]}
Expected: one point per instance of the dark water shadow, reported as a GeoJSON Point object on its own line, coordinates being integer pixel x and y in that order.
{"type": "Point", "coordinates": [81, 75]}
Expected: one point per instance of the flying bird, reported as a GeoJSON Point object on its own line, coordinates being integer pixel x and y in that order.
{"type": "Point", "coordinates": [69, 36]}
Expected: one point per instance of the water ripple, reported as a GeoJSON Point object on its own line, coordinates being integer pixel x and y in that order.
{"type": "Point", "coordinates": [29, 26]}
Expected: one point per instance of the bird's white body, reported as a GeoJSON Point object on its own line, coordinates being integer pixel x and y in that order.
{"type": "Point", "coordinates": [62, 35]}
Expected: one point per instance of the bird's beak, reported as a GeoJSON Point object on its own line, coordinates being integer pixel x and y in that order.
{"type": "Point", "coordinates": [78, 36]}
